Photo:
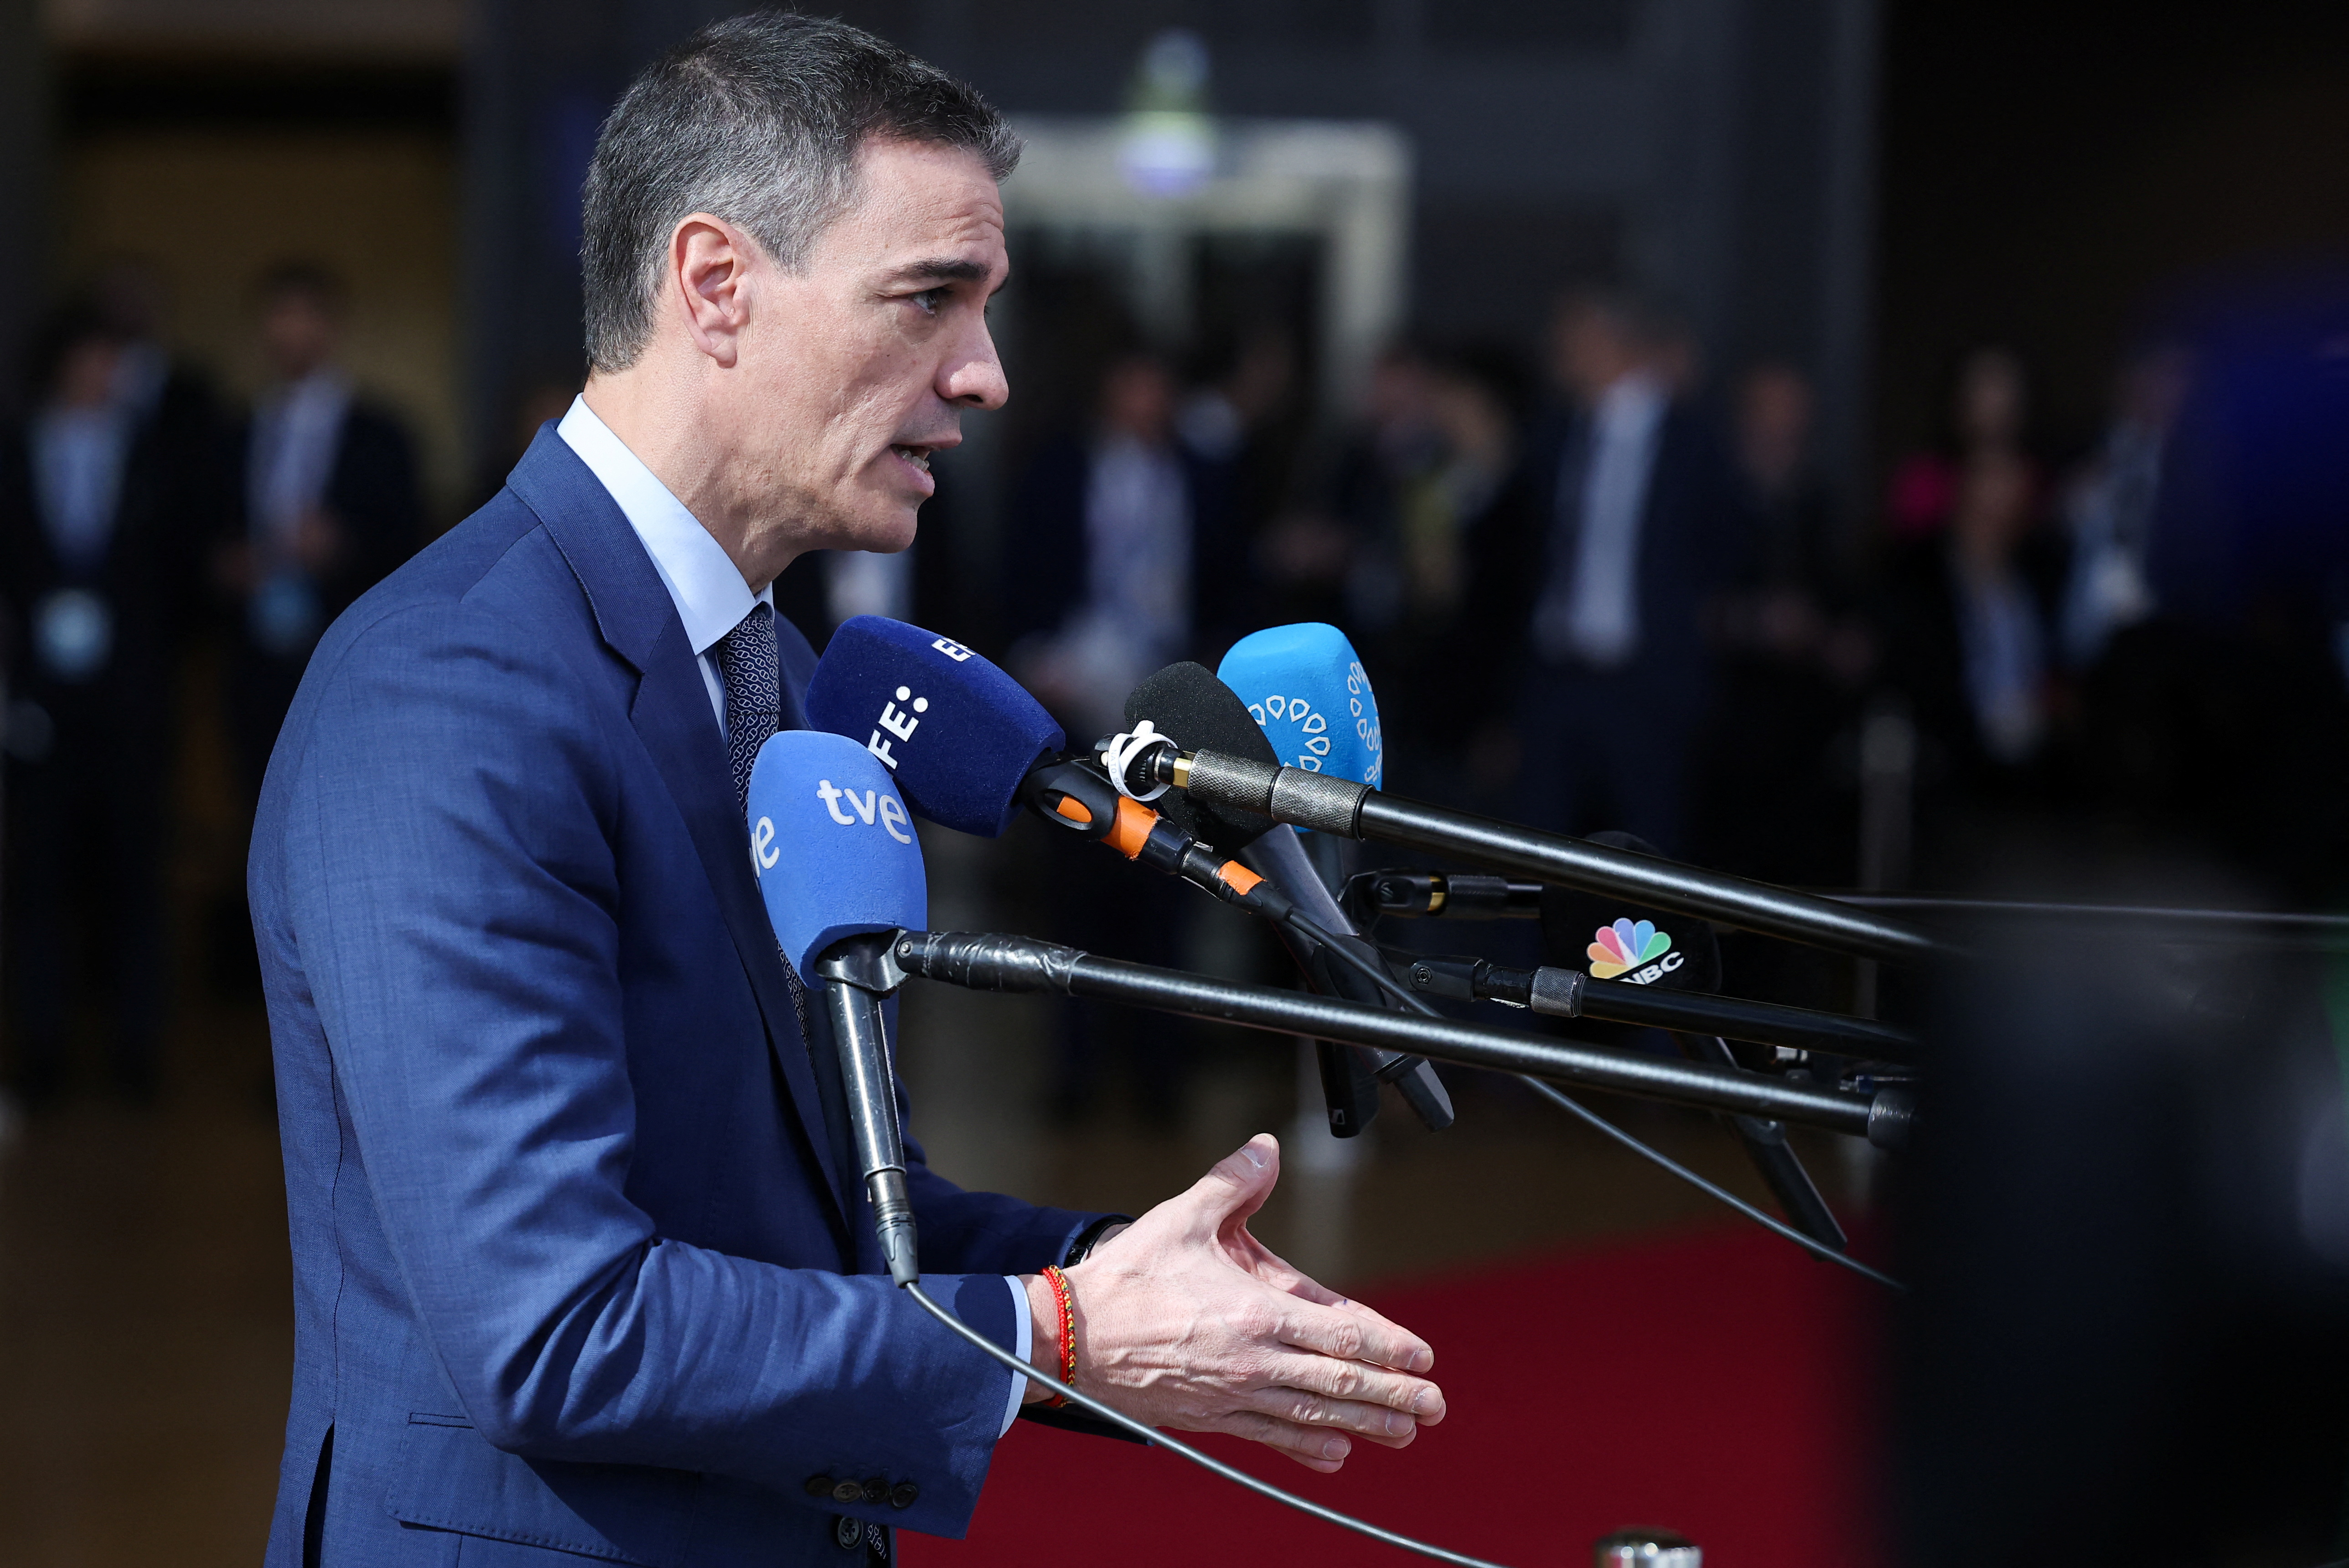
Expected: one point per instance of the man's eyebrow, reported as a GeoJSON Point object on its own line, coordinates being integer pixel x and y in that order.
{"type": "Point", "coordinates": [943, 269]}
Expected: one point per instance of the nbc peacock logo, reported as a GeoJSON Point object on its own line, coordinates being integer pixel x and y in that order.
{"type": "Point", "coordinates": [1632, 945]}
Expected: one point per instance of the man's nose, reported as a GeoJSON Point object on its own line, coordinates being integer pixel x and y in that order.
{"type": "Point", "coordinates": [973, 377]}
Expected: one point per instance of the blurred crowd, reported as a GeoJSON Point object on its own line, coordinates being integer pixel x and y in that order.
{"type": "Point", "coordinates": [1599, 586]}
{"type": "Point", "coordinates": [144, 517]}
{"type": "Point", "coordinates": [1596, 583]}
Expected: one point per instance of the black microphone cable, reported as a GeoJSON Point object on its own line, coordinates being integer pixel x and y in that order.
{"type": "Point", "coordinates": [1126, 1423]}
{"type": "Point", "coordinates": [1418, 1003]}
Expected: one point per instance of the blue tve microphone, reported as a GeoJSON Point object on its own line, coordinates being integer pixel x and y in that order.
{"type": "Point", "coordinates": [958, 736]}
{"type": "Point", "coordinates": [1306, 687]}
{"type": "Point", "coordinates": [840, 871]}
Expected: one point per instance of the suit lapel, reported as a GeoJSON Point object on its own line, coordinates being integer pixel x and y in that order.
{"type": "Point", "coordinates": [671, 714]}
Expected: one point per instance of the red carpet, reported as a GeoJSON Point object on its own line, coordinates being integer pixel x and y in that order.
{"type": "Point", "coordinates": [1718, 1385]}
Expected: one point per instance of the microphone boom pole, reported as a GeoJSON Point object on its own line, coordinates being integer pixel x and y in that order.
{"type": "Point", "coordinates": [1003, 962]}
{"type": "Point", "coordinates": [1341, 807]}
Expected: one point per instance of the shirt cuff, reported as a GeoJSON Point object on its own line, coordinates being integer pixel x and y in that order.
{"type": "Point", "coordinates": [1023, 1341]}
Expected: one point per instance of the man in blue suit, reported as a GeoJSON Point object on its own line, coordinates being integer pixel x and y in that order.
{"type": "Point", "coordinates": [580, 1265]}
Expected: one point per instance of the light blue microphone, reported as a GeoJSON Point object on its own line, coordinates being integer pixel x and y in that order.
{"type": "Point", "coordinates": [840, 869]}
{"type": "Point", "coordinates": [1305, 685]}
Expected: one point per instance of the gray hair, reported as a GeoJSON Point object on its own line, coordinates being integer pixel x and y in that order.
{"type": "Point", "coordinates": [757, 120]}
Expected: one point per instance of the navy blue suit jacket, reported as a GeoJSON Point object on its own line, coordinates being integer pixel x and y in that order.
{"type": "Point", "coordinates": [1695, 533]}
{"type": "Point", "coordinates": [574, 1270]}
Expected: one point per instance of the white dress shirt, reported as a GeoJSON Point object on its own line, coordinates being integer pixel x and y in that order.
{"type": "Point", "coordinates": [1596, 617]}
{"type": "Point", "coordinates": [712, 598]}
{"type": "Point", "coordinates": [78, 456]}
{"type": "Point", "coordinates": [297, 431]}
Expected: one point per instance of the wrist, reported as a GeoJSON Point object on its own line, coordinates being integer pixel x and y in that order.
{"type": "Point", "coordinates": [1043, 1338]}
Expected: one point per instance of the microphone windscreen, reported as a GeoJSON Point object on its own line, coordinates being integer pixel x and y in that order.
{"type": "Point", "coordinates": [1306, 687]}
{"type": "Point", "coordinates": [1611, 940]}
{"type": "Point", "coordinates": [1200, 713]}
{"type": "Point", "coordinates": [833, 848]}
{"type": "Point", "coordinates": [956, 733]}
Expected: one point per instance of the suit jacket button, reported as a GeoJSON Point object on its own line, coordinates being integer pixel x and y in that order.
{"type": "Point", "coordinates": [876, 1490]}
{"type": "Point", "coordinates": [903, 1494]}
{"type": "Point", "coordinates": [819, 1486]}
{"type": "Point", "coordinates": [847, 1491]}
{"type": "Point", "coordinates": [848, 1533]}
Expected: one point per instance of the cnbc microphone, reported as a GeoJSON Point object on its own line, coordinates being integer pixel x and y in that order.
{"type": "Point", "coordinates": [840, 871]}
{"type": "Point", "coordinates": [1628, 949]}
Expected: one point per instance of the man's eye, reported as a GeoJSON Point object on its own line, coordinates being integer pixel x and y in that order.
{"type": "Point", "coordinates": [930, 299]}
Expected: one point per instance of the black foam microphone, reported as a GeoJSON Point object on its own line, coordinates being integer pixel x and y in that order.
{"type": "Point", "coordinates": [1184, 700]}
{"type": "Point", "coordinates": [1187, 705]}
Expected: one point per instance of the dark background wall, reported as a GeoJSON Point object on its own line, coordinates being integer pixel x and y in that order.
{"type": "Point", "coordinates": [1867, 187]}
{"type": "Point", "coordinates": [2062, 177]}
{"type": "Point", "coordinates": [1711, 151]}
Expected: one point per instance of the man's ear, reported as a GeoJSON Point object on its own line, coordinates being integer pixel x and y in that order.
{"type": "Point", "coordinates": [710, 263]}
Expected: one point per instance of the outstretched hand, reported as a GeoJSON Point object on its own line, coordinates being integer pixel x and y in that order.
{"type": "Point", "coordinates": [1184, 1320]}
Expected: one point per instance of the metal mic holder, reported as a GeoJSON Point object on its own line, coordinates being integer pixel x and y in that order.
{"type": "Point", "coordinates": [1349, 1092]}
{"type": "Point", "coordinates": [1571, 994]}
{"type": "Point", "coordinates": [858, 973]}
{"type": "Point", "coordinates": [1001, 963]}
{"type": "Point", "coordinates": [1439, 896]}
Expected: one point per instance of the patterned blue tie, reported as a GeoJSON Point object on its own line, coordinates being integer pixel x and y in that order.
{"type": "Point", "coordinates": [753, 673]}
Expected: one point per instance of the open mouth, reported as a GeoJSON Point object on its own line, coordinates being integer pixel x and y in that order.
{"type": "Point", "coordinates": [917, 456]}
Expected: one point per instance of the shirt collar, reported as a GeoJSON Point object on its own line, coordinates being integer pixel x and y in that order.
{"type": "Point", "coordinates": [1632, 404]}
{"type": "Point", "coordinates": [702, 579]}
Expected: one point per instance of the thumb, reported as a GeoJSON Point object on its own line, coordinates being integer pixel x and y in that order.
{"type": "Point", "coordinates": [1237, 1185]}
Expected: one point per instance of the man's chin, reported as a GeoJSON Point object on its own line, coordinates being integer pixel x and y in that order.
{"type": "Point", "coordinates": [885, 529]}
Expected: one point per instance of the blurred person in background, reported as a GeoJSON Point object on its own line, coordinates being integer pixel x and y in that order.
{"type": "Point", "coordinates": [1334, 559]}
{"type": "Point", "coordinates": [2111, 503]}
{"type": "Point", "coordinates": [162, 390]}
{"type": "Point", "coordinates": [1437, 455]}
{"type": "Point", "coordinates": [2236, 688]}
{"type": "Point", "coordinates": [1968, 625]}
{"type": "Point", "coordinates": [104, 496]}
{"type": "Point", "coordinates": [1794, 650]}
{"type": "Point", "coordinates": [1594, 588]}
{"type": "Point", "coordinates": [1987, 415]}
{"type": "Point", "coordinates": [327, 505]}
{"type": "Point", "coordinates": [1249, 423]}
{"type": "Point", "coordinates": [1123, 563]}
{"type": "Point", "coordinates": [1142, 568]}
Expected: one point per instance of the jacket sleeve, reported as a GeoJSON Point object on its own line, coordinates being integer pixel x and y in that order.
{"type": "Point", "coordinates": [451, 891]}
{"type": "Point", "coordinates": [985, 1232]}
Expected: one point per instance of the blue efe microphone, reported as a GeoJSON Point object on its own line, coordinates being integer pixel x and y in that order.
{"type": "Point", "coordinates": [958, 736]}
{"type": "Point", "coordinates": [1305, 685]}
{"type": "Point", "coordinates": [840, 871]}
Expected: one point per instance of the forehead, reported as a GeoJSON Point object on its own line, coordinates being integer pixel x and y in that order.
{"type": "Point", "coordinates": [914, 202]}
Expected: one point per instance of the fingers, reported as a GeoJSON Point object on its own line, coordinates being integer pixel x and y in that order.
{"type": "Point", "coordinates": [1238, 1183]}
{"type": "Point", "coordinates": [1320, 1450]}
{"type": "Point", "coordinates": [1378, 1423]}
{"type": "Point", "coordinates": [1355, 1332]}
{"type": "Point", "coordinates": [1283, 1276]}
{"type": "Point", "coordinates": [1414, 1399]}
